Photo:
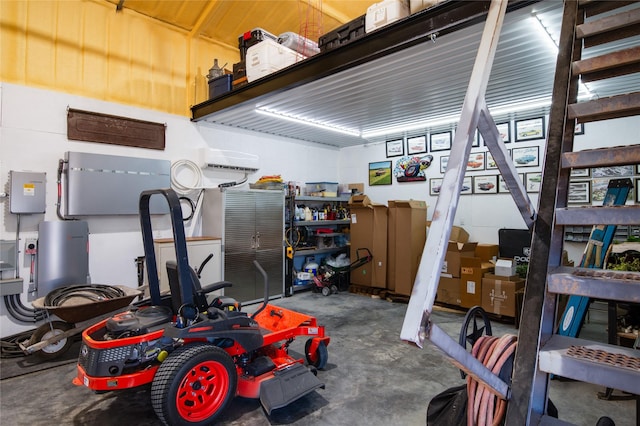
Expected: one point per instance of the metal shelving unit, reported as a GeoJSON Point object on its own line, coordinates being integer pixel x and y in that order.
{"type": "Point", "coordinates": [296, 251]}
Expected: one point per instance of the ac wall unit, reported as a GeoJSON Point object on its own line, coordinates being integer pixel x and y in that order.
{"type": "Point", "coordinates": [229, 160]}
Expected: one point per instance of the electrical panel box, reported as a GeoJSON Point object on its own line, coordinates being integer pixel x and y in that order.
{"type": "Point", "coordinates": [27, 194]}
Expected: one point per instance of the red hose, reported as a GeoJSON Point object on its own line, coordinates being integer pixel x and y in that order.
{"type": "Point", "coordinates": [484, 406]}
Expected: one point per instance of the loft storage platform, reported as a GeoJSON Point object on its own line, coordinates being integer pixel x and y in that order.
{"type": "Point", "coordinates": [346, 88]}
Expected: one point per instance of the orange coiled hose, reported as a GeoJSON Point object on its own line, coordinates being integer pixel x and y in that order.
{"type": "Point", "coordinates": [484, 406]}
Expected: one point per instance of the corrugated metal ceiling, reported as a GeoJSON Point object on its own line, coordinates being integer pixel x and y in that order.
{"type": "Point", "coordinates": [422, 83]}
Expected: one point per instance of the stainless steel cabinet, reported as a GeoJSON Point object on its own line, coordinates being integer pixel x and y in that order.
{"type": "Point", "coordinates": [251, 224]}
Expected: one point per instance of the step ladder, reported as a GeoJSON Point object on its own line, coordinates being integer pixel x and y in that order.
{"type": "Point", "coordinates": [541, 351]}
{"type": "Point", "coordinates": [418, 327]}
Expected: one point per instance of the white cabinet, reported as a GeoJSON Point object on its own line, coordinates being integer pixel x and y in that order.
{"type": "Point", "coordinates": [198, 248]}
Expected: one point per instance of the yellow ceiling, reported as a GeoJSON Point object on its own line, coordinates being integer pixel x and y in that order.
{"type": "Point", "coordinates": [225, 20]}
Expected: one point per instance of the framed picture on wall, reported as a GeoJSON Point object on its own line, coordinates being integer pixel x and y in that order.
{"type": "Point", "coordinates": [475, 162]}
{"type": "Point", "coordinates": [502, 185]}
{"type": "Point", "coordinates": [637, 184]}
{"type": "Point", "coordinates": [434, 186]}
{"type": "Point", "coordinates": [579, 172]}
{"type": "Point", "coordinates": [599, 190]}
{"type": "Point", "coordinates": [579, 192]}
{"type": "Point", "coordinates": [380, 173]}
{"type": "Point", "coordinates": [526, 156]}
{"type": "Point", "coordinates": [395, 148]}
{"type": "Point", "coordinates": [491, 163]}
{"type": "Point", "coordinates": [416, 145]}
{"type": "Point", "coordinates": [485, 184]}
{"type": "Point", "coordinates": [579, 130]}
{"type": "Point", "coordinates": [612, 171]}
{"type": "Point", "coordinates": [504, 129]}
{"type": "Point", "coordinates": [533, 181]}
{"type": "Point", "coordinates": [532, 128]}
{"type": "Point", "coordinates": [467, 186]}
{"type": "Point", "coordinates": [440, 141]}
{"type": "Point", "coordinates": [444, 160]}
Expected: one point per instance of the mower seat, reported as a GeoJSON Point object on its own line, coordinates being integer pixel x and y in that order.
{"type": "Point", "coordinates": [199, 292]}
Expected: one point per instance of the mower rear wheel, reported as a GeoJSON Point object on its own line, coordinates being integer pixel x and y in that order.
{"type": "Point", "coordinates": [194, 385]}
{"type": "Point", "coordinates": [49, 331]}
{"type": "Point", "coordinates": [326, 291]}
{"type": "Point", "coordinates": [319, 357]}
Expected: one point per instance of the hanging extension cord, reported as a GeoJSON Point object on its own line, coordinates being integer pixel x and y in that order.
{"type": "Point", "coordinates": [484, 407]}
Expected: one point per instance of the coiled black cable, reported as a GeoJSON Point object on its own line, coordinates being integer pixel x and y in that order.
{"type": "Point", "coordinates": [93, 292]}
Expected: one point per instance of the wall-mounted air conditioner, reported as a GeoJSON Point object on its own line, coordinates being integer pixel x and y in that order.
{"type": "Point", "coordinates": [229, 160]}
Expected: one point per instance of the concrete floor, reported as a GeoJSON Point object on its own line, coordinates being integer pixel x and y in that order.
{"type": "Point", "coordinates": [372, 378]}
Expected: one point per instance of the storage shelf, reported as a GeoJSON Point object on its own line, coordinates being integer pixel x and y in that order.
{"type": "Point", "coordinates": [553, 359]}
{"type": "Point", "coordinates": [309, 252]}
{"type": "Point", "coordinates": [328, 199]}
{"type": "Point", "coordinates": [321, 222]}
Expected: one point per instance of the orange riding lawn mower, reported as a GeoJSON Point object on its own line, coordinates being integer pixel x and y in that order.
{"type": "Point", "coordinates": [197, 350]}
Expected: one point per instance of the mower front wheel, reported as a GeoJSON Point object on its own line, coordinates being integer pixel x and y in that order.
{"type": "Point", "coordinates": [319, 357]}
{"type": "Point", "coordinates": [194, 385]}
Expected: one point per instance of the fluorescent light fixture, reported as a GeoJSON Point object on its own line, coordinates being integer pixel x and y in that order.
{"type": "Point", "coordinates": [583, 90]}
{"type": "Point", "coordinates": [306, 121]}
{"type": "Point", "coordinates": [505, 109]}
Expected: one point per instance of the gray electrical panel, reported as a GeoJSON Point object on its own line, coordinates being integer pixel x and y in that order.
{"type": "Point", "coordinates": [27, 194]}
{"type": "Point", "coordinates": [111, 185]}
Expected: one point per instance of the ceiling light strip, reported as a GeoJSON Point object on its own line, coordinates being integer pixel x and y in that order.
{"type": "Point", "coordinates": [301, 120]}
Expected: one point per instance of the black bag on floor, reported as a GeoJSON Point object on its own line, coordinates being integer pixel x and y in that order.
{"type": "Point", "coordinates": [448, 408]}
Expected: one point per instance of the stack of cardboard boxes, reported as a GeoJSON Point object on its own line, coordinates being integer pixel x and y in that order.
{"type": "Point", "coordinates": [472, 274]}
{"type": "Point", "coordinates": [395, 235]}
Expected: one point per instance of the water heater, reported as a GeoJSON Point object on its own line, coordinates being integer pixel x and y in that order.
{"type": "Point", "coordinates": [63, 254]}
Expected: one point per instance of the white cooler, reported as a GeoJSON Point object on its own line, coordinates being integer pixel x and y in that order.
{"type": "Point", "coordinates": [268, 56]}
{"type": "Point", "coordinates": [384, 13]}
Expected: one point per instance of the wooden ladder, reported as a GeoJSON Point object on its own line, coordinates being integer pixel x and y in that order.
{"type": "Point", "coordinates": [541, 351]}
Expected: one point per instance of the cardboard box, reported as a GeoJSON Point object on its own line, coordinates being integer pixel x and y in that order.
{"type": "Point", "coordinates": [369, 230]}
{"type": "Point", "coordinates": [456, 251]}
{"type": "Point", "coordinates": [406, 236]}
{"type": "Point", "coordinates": [357, 188]}
{"type": "Point", "coordinates": [449, 291]}
{"type": "Point", "coordinates": [472, 269]}
{"type": "Point", "coordinates": [459, 235]}
{"type": "Point", "coordinates": [505, 267]}
{"type": "Point", "coordinates": [503, 278]}
{"type": "Point", "coordinates": [487, 252]}
{"type": "Point", "coordinates": [360, 200]}
{"type": "Point", "coordinates": [499, 296]}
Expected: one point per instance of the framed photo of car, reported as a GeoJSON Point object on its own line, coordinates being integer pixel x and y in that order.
{"type": "Point", "coordinates": [434, 186]}
{"type": "Point", "coordinates": [440, 141]}
{"type": "Point", "coordinates": [528, 156]}
{"type": "Point", "coordinates": [491, 163]}
{"type": "Point", "coordinates": [485, 184]}
{"type": "Point", "coordinates": [532, 128]}
{"type": "Point", "coordinates": [467, 186]}
{"type": "Point", "coordinates": [475, 162]}
{"type": "Point", "coordinates": [380, 173]}
{"type": "Point", "coordinates": [504, 129]}
{"type": "Point", "coordinates": [533, 181]}
{"type": "Point", "coordinates": [444, 160]}
{"type": "Point", "coordinates": [580, 173]}
{"type": "Point", "coordinates": [579, 192]}
{"type": "Point", "coordinates": [612, 171]}
{"type": "Point", "coordinates": [416, 145]}
{"type": "Point", "coordinates": [395, 148]}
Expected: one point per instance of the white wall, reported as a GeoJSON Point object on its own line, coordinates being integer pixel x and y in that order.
{"type": "Point", "coordinates": [481, 215]}
{"type": "Point", "coordinates": [33, 138]}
